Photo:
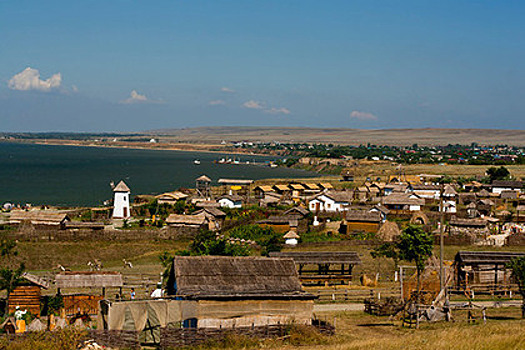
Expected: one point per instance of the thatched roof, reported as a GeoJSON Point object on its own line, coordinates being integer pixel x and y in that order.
{"type": "Point", "coordinates": [454, 221]}
{"type": "Point", "coordinates": [39, 281]}
{"type": "Point", "coordinates": [86, 279]}
{"type": "Point", "coordinates": [291, 220]}
{"type": "Point", "coordinates": [218, 277]}
{"type": "Point", "coordinates": [171, 196]}
{"type": "Point", "coordinates": [402, 199]}
{"type": "Point", "coordinates": [320, 257]}
{"type": "Point", "coordinates": [297, 187]}
{"type": "Point", "coordinates": [42, 217]}
{"type": "Point", "coordinates": [466, 257]}
{"type": "Point", "coordinates": [363, 216]}
{"type": "Point", "coordinates": [507, 184]}
{"type": "Point", "coordinates": [211, 211]}
{"type": "Point", "coordinates": [203, 178]}
{"type": "Point", "coordinates": [265, 188]}
{"type": "Point", "coordinates": [235, 182]}
{"type": "Point", "coordinates": [423, 187]}
{"type": "Point", "coordinates": [121, 187]}
{"type": "Point", "coordinates": [281, 187]}
{"type": "Point", "coordinates": [326, 185]}
{"type": "Point", "coordinates": [449, 191]}
{"type": "Point", "coordinates": [338, 196]}
{"type": "Point", "coordinates": [231, 197]}
{"type": "Point", "coordinates": [312, 186]}
{"type": "Point", "coordinates": [190, 220]}
{"type": "Point", "coordinates": [291, 235]}
{"type": "Point", "coordinates": [388, 231]}
{"type": "Point", "coordinates": [297, 211]}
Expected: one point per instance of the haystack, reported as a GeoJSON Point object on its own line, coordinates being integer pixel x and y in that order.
{"type": "Point", "coordinates": [388, 232]}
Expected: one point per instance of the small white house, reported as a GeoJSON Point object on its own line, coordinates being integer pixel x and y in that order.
{"type": "Point", "coordinates": [291, 238]}
{"type": "Point", "coordinates": [499, 186]}
{"type": "Point", "coordinates": [331, 201]}
{"type": "Point", "coordinates": [230, 201]}
{"type": "Point", "coordinates": [121, 201]}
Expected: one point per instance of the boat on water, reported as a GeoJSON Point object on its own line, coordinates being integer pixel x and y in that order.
{"type": "Point", "coordinates": [197, 162]}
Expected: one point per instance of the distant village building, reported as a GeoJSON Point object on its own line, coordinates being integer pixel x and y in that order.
{"type": "Point", "coordinates": [40, 218]}
{"type": "Point", "coordinates": [230, 201]}
{"type": "Point", "coordinates": [171, 197]}
{"type": "Point", "coordinates": [331, 201]}
{"type": "Point", "coordinates": [121, 209]}
{"type": "Point", "coordinates": [410, 202]}
{"type": "Point", "coordinates": [499, 186]}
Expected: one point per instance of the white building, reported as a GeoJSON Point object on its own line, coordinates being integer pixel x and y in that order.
{"type": "Point", "coordinates": [330, 201]}
{"type": "Point", "coordinates": [121, 201]}
{"type": "Point", "coordinates": [230, 201]}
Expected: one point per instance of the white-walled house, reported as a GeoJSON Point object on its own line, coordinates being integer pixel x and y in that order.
{"type": "Point", "coordinates": [426, 191]}
{"type": "Point", "coordinates": [230, 201]}
{"type": "Point", "coordinates": [330, 201]}
{"type": "Point", "coordinates": [499, 186]}
{"type": "Point", "coordinates": [121, 209]}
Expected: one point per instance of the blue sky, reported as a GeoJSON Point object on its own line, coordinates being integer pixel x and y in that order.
{"type": "Point", "coordinates": [136, 65]}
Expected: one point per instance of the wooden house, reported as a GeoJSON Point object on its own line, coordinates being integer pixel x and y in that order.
{"type": "Point", "coordinates": [79, 280]}
{"type": "Point", "coordinates": [298, 190]}
{"type": "Point", "coordinates": [285, 223]}
{"type": "Point", "coordinates": [425, 191]}
{"type": "Point", "coordinates": [360, 221]}
{"type": "Point", "coordinates": [499, 186]}
{"type": "Point", "coordinates": [325, 267]}
{"type": "Point", "coordinates": [40, 218]}
{"type": "Point", "coordinates": [330, 201]}
{"type": "Point", "coordinates": [406, 202]}
{"type": "Point", "coordinates": [240, 291]}
{"type": "Point", "coordinates": [468, 227]}
{"type": "Point", "coordinates": [171, 197]}
{"type": "Point", "coordinates": [189, 221]}
{"type": "Point", "coordinates": [214, 216]}
{"type": "Point", "coordinates": [262, 190]}
{"type": "Point", "coordinates": [484, 270]}
{"type": "Point", "coordinates": [27, 294]}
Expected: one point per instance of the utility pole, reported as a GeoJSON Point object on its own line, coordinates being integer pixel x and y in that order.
{"type": "Point", "coordinates": [441, 238]}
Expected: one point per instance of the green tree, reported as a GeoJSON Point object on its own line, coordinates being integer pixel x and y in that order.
{"type": "Point", "coordinates": [207, 243]}
{"type": "Point", "coordinates": [518, 270]}
{"type": "Point", "coordinates": [500, 173]}
{"type": "Point", "coordinates": [387, 250]}
{"type": "Point", "coordinates": [11, 269]}
{"type": "Point", "coordinates": [415, 245]}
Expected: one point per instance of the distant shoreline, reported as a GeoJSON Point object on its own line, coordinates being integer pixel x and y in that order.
{"type": "Point", "coordinates": [185, 147]}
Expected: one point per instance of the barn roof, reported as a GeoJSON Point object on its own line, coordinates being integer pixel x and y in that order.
{"type": "Point", "coordinates": [320, 257]}
{"type": "Point", "coordinates": [363, 216]}
{"type": "Point", "coordinates": [39, 217]}
{"type": "Point", "coordinates": [180, 219]}
{"type": "Point", "coordinates": [86, 279]}
{"type": "Point", "coordinates": [454, 221]}
{"type": "Point", "coordinates": [489, 257]}
{"type": "Point", "coordinates": [218, 277]}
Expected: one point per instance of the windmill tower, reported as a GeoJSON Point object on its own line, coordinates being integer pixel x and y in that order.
{"type": "Point", "coordinates": [121, 201]}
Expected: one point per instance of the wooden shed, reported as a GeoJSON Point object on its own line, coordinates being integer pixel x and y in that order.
{"type": "Point", "coordinates": [361, 221]}
{"type": "Point", "coordinates": [323, 266]}
{"type": "Point", "coordinates": [240, 291]}
{"type": "Point", "coordinates": [28, 294]}
{"type": "Point", "coordinates": [484, 271]}
{"type": "Point", "coordinates": [78, 281]}
{"type": "Point", "coordinates": [40, 218]}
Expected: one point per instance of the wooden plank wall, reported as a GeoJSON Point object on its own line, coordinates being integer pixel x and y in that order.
{"type": "Point", "coordinates": [27, 297]}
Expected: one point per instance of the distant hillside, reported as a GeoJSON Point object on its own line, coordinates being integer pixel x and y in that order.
{"type": "Point", "coordinates": [428, 136]}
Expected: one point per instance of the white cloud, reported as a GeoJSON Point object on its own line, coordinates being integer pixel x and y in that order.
{"type": "Point", "coordinates": [253, 104]}
{"type": "Point", "coordinates": [281, 110]}
{"type": "Point", "coordinates": [217, 103]}
{"type": "Point", "coordinates": [29, 79]}
{"type": "Point", "coordinates": [227, 89]}
{"type": "Point", "coordinates": [362, 115]}
{"type": "Point", "coordinates": [135, 97]}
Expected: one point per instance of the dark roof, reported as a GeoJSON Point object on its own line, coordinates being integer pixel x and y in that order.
{"type": "Point", "coordinates": [363, 216]}
{"type": "Point", "coordinates": [320, 257]}
{"type": "Point", "coordinates": [86, 279]}
{"type": "Point", "coordinates": [466, 257]}
{"type": "Point", "coordinates": [508, 184]}
{"type": "Point", "coordinates": [297, 210]}
{"type": "Point", "coordinates": [215, 212]}
{"type": "Point", "coordinates": [454, 221]}
{"type": "Point", "coordinates": [218, 277]}
{"type": "Point", "coordinates": [281, 220]}
{"type": "Point", "coordinates": [380, 208]}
